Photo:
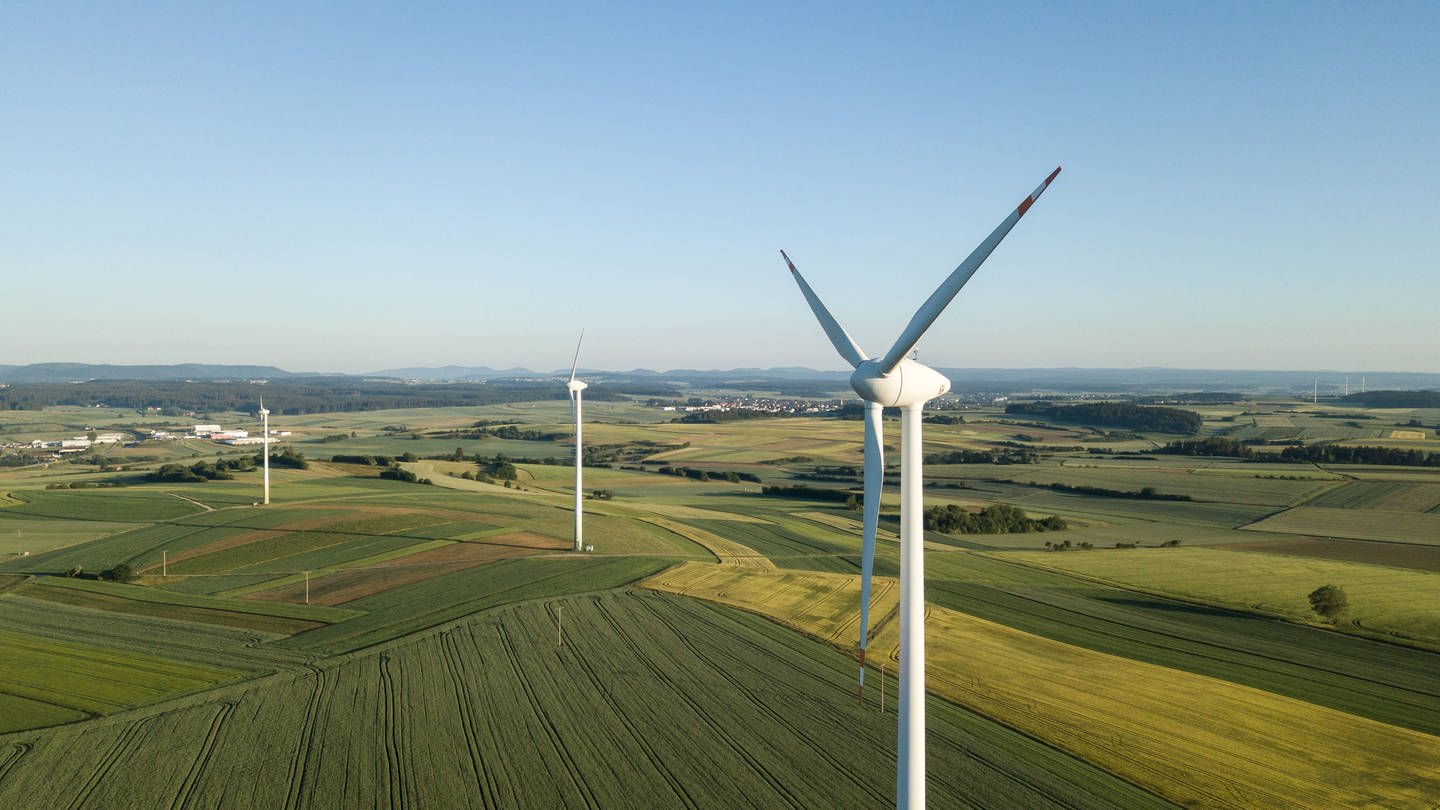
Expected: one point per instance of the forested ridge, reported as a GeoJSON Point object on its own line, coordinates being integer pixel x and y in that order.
{"type": "Point", "coordinates": [292, 397]}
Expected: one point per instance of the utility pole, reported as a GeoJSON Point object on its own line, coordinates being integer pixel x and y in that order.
{"type": "Point", "coordinates": [164, 564]}
{"type": "Point", "coordinates": [307, 587]}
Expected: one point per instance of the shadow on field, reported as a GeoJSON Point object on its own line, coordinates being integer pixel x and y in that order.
{"type": "Point", "coordinates": [1170, 606]}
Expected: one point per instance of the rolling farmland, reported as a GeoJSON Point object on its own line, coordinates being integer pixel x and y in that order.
{"type": "Point", "coordinates": [393, 643]}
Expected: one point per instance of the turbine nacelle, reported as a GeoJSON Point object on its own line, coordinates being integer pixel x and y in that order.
{"type": "Point", "coordinates": [576, 386]}
{"type": "Point", "coordinates": [909, 383]}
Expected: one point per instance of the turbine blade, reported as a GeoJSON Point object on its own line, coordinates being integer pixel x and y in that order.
{"type": "Point", "coordinates": [938, 300]}
{"type": "Point", "coordinates": [874, 483]}
{"type": "Point", "coordinates": [576, 364]}
{"type": "Point", "coordinates": [572, 405]}
{"type": "Point", "coordinates": [839, 338]}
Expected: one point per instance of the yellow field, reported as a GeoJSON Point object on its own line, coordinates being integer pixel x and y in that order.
{"type": "Point", "coordinates": [1407, 434]}
{"type": "Point", "coordinates": [1198, 741]}
{"type": "Point", "coordinates": [1394, 601]}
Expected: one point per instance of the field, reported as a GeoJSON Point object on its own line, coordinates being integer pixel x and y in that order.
{"type": "Point", "coordinates": [1389, 601]}
{"type": "Point", "coordinates": [647, 701]}
{"type": "Point", "coordinates": [1388, 495]}
{"type": "Point", "coordinates": [1356, 524]}
{"type": "Point", "coordinates": [364, 641]}
{"type": "Point", "coordinates": [1268, 747]}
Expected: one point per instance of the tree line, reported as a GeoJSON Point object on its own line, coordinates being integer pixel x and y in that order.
{"type": "Point", "coordinates": [1310, 453]}
{"type": "Point", "coordinates": [997, 519]}
{"type": "Point", "coordinates": [1114, 414]}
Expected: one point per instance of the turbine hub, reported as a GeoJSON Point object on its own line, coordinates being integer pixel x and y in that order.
{"type": "Point", "coordinates": [910, 383]}
{"type": "Point", "coordinates": [576, 385]}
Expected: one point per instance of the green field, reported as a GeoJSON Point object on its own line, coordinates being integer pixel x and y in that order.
{"type": "Point", "coordinates": [1356, 524]}
{"type": "Point", "coordinates": [1387, 601]}
{"type": "Point", "coordinates": [650, 701]}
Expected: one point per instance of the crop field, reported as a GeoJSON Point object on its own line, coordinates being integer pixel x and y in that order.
{"type": "Point", "coordinates": [1374, 679]}
{"type": "Point", "coordinates": [1390, 495]}
{"type": "Point", "coordinates": [1223, 742]}
{"type": "Point", "coordinates": [1399, 555]}
{"type": "Point", "coordinates": [433, 560]}
{"type": "Point", "coordinates": [1202, 485]}
{"type": "Point", "coordinates": [48, 680]}
{"type": "Point", "coordinates": [1387, 601]}
{"type": "Point", "coordinates": [1355, 524]}
{"type": "Point", "coordinates": [260, 617]}
{"type": "Point", "coordinates": [21, 534]}
{"type": "Point", "coordinates": [649, 701]}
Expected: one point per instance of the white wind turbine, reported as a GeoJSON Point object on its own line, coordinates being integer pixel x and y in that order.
{"type": "Point", "coordinates": [265, 451]}
{"type": "Point", "coordinates": [576, 386]}
{"type": "Point", "coordinates": [896, 380]}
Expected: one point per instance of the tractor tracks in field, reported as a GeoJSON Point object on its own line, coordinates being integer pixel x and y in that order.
{"type": "Point", "coordinates": [637, 734]}
{"type": "Point", "coordinates": [401, 787]}
{"type": "Point", "coordinates": [107, 762]}
{"type": "Point", "coordinates": [186, 792]}
{"type": "Point", "coordinates": [15, 753]}
{"type": "Point", "coordinates": [454, 668]}
{"type": "Point", "coordinates": [557, 741]}
{"type": "Point", "coordinates": [725, 669]}
{"type": "Point", "coordinates": [683, 693]}
{"type": "Point", "coordinates": [305, 752]}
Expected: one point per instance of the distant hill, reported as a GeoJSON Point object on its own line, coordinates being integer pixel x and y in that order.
{"type": "Point", "coordinates": [454, 373]}
{"type": "Point", "coordinates": [82, 372]}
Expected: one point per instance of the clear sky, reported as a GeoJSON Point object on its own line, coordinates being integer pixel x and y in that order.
{"type": "Point", "coordinates": [355, 186]}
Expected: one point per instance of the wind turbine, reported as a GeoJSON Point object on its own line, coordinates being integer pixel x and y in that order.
{"type": "Point", "coordinates": [896, 380]}
{"type": "Point", "coordinates": [265, 451]}
{"type": "Point", "coordinates": [576, 386]}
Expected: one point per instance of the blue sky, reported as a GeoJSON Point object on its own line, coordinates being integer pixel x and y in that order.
{"type": "Point", "coordinates": [356, 186]}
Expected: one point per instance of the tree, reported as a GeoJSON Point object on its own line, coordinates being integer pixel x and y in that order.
{"type": "Point", "coordinates": [120, 572]}
{"type": "Point", "coordinates": [1329, 601]}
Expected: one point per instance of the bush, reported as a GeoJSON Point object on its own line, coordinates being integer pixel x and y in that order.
{"type": "Point", "coordinates": [399, 474]}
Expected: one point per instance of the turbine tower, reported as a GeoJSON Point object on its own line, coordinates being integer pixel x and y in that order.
{"type": "Point", "coordinates": [265, 452]}
{"type": "Point", "coordinates": [576, 386]}
{"type": "Point", "coordinates": [896, 380]}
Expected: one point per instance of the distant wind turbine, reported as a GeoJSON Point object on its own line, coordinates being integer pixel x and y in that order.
{"type": "Point", "coordinates": [576, 386]}
{"type": "Point", "coordinates": [896, 380]}
{"type": "Point", "coordinates": [265, 451]}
